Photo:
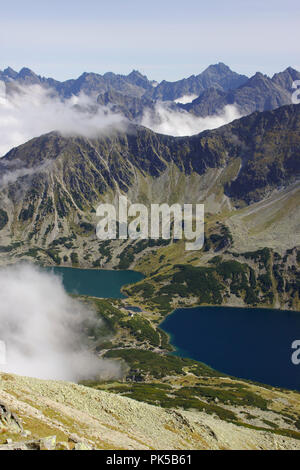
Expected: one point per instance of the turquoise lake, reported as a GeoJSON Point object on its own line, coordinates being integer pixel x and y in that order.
{"type": "Point", "coordinates": [96, 282]}
{"type": "Point", "coordinates": [253, 344]}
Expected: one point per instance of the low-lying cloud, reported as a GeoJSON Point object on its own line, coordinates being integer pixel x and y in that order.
{"type": "Point", "coordinates": [45, 330]}
{"type": "Point", "coordinates": [186, 99]}
{"type": "Point", "coordinates": [9, 176]}
{"type": "Point", "coordinates": [30, 111]}
{"type": "Point", "coordinates": [167, 120]}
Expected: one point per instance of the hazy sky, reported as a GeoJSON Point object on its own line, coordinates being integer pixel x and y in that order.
{"type": "Point", "coordinates": [165, 39]}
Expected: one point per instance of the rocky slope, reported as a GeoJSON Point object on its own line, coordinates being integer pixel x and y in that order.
{"type": "Point", "coordinates": [102, 420]}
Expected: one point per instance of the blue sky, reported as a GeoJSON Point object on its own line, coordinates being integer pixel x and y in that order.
{"type": "Point", "coordinates": [164, 39]}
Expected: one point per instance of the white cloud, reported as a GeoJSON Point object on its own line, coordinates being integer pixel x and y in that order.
{"type": "Point", "coordinates": [180, 123]}
{"type": "Point", "coordinates": [186, 99]}
{"type": "Point", "coordinates": [11, 176]}
{"type": "Point", "coordinates": [31, 111]}
{"type": "Point", "coordinates": [44, 329]}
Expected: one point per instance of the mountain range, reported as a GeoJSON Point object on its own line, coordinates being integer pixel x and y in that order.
{"type": "Point", "coordinates": [209, 91]}
{"type": "Point", "coordinates": [259, 93]}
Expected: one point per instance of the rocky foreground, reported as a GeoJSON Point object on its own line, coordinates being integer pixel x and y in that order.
{"type": "Point", "coordinates": [37, 414]}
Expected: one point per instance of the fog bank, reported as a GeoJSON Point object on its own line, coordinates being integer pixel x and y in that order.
{"type": "Point", "coordinates": [45, 331]}
{"type": "Point", "coordinates": [30, 111]}
{"type": "Point", "coordinates": [167, 120]}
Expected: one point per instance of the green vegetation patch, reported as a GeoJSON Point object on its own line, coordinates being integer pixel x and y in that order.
{"type": "Point", "coordinates": [3, 218]}
{"type": "Point", "coordinates": [239, 396]}
{"type": "Point", "coordinates": [165, 396]}
{"type": "Point", "coordinates": [142, 330]}
{"type": "Point", "coordinates": [148, 363]}
{"type": "Point", "coordinates": [74, 259]}
{"type": "Point", "coordinates": [109, 313]}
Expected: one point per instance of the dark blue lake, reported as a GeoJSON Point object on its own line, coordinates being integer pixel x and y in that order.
{"type": "Point", "coordinates": [248, 343]}
{"type": "Point", "coordinates": [96, 282]}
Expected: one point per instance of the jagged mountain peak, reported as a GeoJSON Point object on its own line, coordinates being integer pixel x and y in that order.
{"type": "Point", "coordinates": [258, 76]}
{"type": "Point", "coordinates": [286, 78]}
{"type": "Point", "coordinates": [10, 72]}
{"type": "Point", "coordinates": [25, 72]}
{"type": "Point", "coordinates": [215, 76]}
{"type": "Point", "coordinates": [110, 75]}
{"type": "Point", "coordinates": [288, 71]}
{"type": "Point", "coordinates": [137, 78]}
{"type": "Point", "coordinates": [220, 67]}
{"type": "Point", "coordinates": [136, 73]}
